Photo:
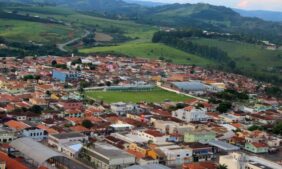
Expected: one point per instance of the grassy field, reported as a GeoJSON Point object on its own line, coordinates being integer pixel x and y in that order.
{"type": "Point", "coordinates": [249, 57]}
{"type": "Point", "coordinates": [151, 51]}
{"type": "Point", "coordinates": [80, 20]}
{"type": "Point", "coordinates": [34, 31]}
{"type": "Point", "coordinates": [156, 95]}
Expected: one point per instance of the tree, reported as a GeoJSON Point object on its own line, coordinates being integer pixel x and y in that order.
{"type": "Point", "coordinates": [199, 106]}
{"type": "Point", "coordinates": [180, 105]}
{"type": "Point", "coordinates": [36, 109]}
{"type": "Point", "coordinates": [84, 84]}
{"type": "Point", "coordinates": [78, 68]}
{"type": "Point", "coordinates": [108, 83]}
{"type": "Point", "coordinates": [222, 166]}
{"type": "Point", "coordinates": [232, 65]}
{"type": "Point", "coordinates": [255, 127]}
{"type": "Point", "coordinates": [54, 62]}
{"type": "Point", "coordinates": [87, 124]}
{"type": "Point", "coordinates": [81, 90]}
{"type": "Point", "coordinates": [224, 107]}
{"type": "Point", "coordinates": [273, 91]}
{"type": "Point", "coordinates": [48, 93]}
{"type": "Point", "coordinates": [27, 77]}
{"type": "Point", "coordinates": [277, 129]}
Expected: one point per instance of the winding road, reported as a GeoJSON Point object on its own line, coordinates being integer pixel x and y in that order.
{"type": "Point", "coordinates": [62, 46]}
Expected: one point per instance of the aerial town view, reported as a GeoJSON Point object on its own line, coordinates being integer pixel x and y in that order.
{"type": "Point", "coordinates": [140, 84]}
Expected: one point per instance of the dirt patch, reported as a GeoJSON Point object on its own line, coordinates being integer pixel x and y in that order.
{"type": "Point", "coordinates": [102, 37]}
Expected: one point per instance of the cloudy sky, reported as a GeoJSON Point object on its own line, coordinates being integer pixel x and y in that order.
{"type": "Point", "coordinates": [274, 5]}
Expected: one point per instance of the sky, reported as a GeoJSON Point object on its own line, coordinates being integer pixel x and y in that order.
{"type": "Point", "coordinates": [273, 5]}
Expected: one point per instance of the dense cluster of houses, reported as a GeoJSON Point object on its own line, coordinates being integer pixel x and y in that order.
{"type": "Point", "coordinates": [42, 99]}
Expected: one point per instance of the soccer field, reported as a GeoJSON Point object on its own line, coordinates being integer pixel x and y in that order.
{"type": "Point", "coordinates": [156, 95]}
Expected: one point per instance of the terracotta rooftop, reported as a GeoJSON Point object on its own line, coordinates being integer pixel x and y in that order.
{"type": "Point", "coordinates": [154, 133]}
{"type": "Point", "coordinates": [11, 163]}
{"type": "Point", "coordinates": [16, 125]}
{"type": "Point", "coordinates": [259, 145]}
{"type": "Point", "coordinates": [200, 165]}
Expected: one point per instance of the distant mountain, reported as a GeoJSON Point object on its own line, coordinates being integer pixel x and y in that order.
{"type": "Point", "coordinates": [202, 16]}
{"type": "Point", "coordinates": [109, 8]}
{"type": "Point", "coordinates": [145, 3]}
{"type": "Point", "coordinates": [213, 18]}
{"type": "Point", "coordinates": [265, 15]}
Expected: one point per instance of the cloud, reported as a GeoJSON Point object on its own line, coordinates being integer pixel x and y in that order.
{"type": "Point", "coordinates": [260, 4]}
{"type": "Point", "coordinates": [243, 4]}
{"type": "Point", "coordinates": [274, 5]}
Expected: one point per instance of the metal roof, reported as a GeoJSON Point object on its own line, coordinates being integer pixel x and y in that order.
{"type": "Point", "coordinates": [38, 152]}
{"type": "Point", "coordinates": [223, 145]}
{"type": "Point", "coordinates": [190, 86]}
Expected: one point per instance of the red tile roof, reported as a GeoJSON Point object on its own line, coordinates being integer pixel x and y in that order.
{"type": "Point", "coordinates": [16, 125]}
{"type": "Point", "coordinates": [259, 145]}
{"type": "Point", "coordinates": [154, 133]}
{"type": "Point", "coordinates": [200, 165]}
{"type": "Point", "coordinates": [11, 163]}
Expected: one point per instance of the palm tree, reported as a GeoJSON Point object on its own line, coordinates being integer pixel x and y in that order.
{"type": "Point", "coordinates": [221, 166]}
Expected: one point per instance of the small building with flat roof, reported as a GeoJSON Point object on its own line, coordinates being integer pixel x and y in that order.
{"type": "Point", "coordinates": [58, 140]}
{"type": "Point", "coordinates": [221, 145]}
{"type": "Point", "coordinates": [105, 156]}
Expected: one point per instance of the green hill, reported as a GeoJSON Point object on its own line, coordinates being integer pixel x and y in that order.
{"type": "Point", "coordinates": [151, 51]}
{"type": "Point", "coordinates": [253, 60]}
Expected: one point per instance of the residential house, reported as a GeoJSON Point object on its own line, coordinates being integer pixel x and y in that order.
{"type": "Point", "coordinates": [151, 135]}
{"type": "Point", "coordinates": [190, 114]}
{"type": "Point", "coordinates": [70, 104]}
{"type": "Point", "coordinates": [7, 135]}
{"type": "Point", "coordinates": [175, 154]}
{"type": "Point", "coordinates": [256, 147]}
{"type": "Point", "coordinates": [200, 152]}
{"type": "Point", "coordinates": [34, 133]}
{"type": "Point", "coordinates": [64, 75]}
{"type": "Point", "coordinates": [169, 126]}
{"type": "Point", "coordinates": [16, 125]}
{"type": "Point", "coordinates": [121, 108]}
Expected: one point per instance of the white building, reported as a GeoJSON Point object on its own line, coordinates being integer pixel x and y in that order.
{"type": "Point", "coordinates": [170, 127]}
{"type": "Point", "coordinates": [176, 155]}
{"type": "Point", "coordinates": [151, 135]}
{"type": "Point", "coordinates": [59, 140]}
{"type": "Point", "coordinates": [121, 108]}
{"type": "Point", "coordinates": [242, 161]}
{"type": "Point", "coordinates": [71, 148]}
{"type": "Point", "coordinates": [34, 133]}
{"type": "Point", "coordinates": [6, 135]}
{"type": "Point", "coordinates": [191, 113]}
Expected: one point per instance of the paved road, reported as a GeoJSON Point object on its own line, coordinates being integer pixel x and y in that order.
{"type": "Point", "coordinates": [178, 92]}
{"type": "Point", "coordinates": [62, 46]}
